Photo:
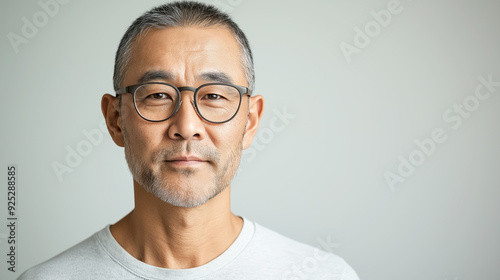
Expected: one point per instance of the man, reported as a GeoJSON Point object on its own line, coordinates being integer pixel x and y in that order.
{"type": "Point", "coordinates": [183, 112]}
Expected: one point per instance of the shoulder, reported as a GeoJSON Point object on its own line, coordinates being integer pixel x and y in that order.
{"type": "Point", "coordinates": [297, 260]}
{"type": "Point", "coordinates": [278, 244]}
{"type": "Point", "coordinates": [85, 256]}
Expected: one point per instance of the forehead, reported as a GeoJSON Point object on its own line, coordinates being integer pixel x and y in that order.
{"type": "Point", "coordinates": [185, 52]}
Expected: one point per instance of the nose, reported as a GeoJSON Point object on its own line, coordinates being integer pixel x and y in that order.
{"type": "Point", "coordinates": [186, 124]}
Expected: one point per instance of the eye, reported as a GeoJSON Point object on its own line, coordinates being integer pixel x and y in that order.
{"type": "Point", "coordinates": [212, 96]}
{"type": "Point", "coordinates": [159, 96]}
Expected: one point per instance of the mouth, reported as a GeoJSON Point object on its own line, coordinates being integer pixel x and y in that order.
{"type": "Point", "coordinates": [185, 161]}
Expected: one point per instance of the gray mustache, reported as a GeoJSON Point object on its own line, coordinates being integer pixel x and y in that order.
{"type": "Point", "coordinates": [187, 148]}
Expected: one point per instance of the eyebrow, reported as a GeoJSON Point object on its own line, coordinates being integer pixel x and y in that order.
{"type": "Point", "coordinates": [214, 76]}
{"type": "Point", "coordinates": [156, 75]}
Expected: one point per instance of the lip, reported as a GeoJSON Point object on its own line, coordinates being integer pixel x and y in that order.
{"type": "Point", "coordinates": [185, 160]}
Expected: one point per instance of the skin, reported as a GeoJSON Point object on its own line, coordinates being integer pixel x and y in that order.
{"type": "Point", "coordinates": [156, 232]}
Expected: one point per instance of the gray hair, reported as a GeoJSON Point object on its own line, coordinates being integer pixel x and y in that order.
{"type": "Point", "coordinates": [179, 14]}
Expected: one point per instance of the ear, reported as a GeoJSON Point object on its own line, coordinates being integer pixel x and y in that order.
{"type": "Point", "coordinates": [111, 113]}
{"type": "Point", "coordinates": [255, 111]}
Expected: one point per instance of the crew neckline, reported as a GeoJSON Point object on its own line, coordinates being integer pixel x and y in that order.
{"type": "Point", "coordinates": [144, 270]}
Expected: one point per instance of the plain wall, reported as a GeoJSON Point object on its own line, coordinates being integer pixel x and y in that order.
{"type": "Point", "coordinates": [350, 101]}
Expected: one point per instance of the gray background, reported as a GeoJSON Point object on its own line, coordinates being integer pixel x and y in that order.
{"type": "Point", "coordinates": [317, 176]}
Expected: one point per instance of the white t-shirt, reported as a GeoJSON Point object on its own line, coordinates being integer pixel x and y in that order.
{"type": "Point", "coordinates": [257, 253]}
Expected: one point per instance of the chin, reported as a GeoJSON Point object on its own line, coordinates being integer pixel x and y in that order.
{"type": "Point", "coordinates": [188, 196]}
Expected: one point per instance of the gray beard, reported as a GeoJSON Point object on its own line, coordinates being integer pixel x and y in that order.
{"type": "Point", "coordinates": [188, 195]}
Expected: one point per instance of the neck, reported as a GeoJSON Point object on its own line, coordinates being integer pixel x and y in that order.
{"type": "Point", "coordinates": [168, 236]}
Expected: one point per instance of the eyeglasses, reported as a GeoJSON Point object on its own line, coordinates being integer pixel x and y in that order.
{"type": "Point", "coordinates": [214, 102]}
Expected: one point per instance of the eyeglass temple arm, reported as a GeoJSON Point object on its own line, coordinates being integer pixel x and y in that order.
{"type": "Point", "coordinates": [243, 90]}
{"type": "Point", "coordinates": [129, 89]}
{"type": "Point", "coordinates": [121, 91]}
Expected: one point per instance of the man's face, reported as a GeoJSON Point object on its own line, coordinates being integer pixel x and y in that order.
{"type": "Point", "coordinates": [185, 160]}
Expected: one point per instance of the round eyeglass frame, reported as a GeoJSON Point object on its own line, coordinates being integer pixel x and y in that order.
{"type": "Point", "coordinates": [133, 88]}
